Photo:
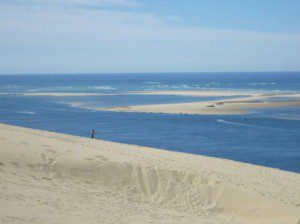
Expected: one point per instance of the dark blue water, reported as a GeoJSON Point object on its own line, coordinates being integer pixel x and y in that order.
{"type": "Point", "coordinates": [268, 137]}
{"type": "Point", "coordinates": [256, 138]}
{"type": "Point", "coordinates": [109, 83]}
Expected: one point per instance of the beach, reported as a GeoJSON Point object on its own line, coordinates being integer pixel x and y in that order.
{"type": "Point", "coordinates": [47, 177]}
{"type": "Point", "coordinates": [241, 103]}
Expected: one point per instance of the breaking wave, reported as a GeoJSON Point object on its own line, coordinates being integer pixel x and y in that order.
{"type": "Point", "coordinates": [231, 122]}
{"type": "Point", "coordinates": [27, 112]}
{"type": "Point", "coordinates": [71, 88]}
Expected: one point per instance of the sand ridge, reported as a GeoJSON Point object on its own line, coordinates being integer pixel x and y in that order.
{"type": "Point", "coordinates": [55, 178]}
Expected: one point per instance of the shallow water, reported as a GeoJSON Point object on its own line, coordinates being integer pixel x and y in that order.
{"type": "Point", "coordinates": [128, 100]}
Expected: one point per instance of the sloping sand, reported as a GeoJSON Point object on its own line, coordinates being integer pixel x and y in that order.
{"type": "Point", "coordinates": [55, 178]}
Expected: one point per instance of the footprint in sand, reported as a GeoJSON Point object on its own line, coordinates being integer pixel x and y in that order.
{"type": "Point", "coordinates": [47, 146]}
{"type": "Point", "coordinates": [102, 158]}
{"type": "Point", "coordinates": [15, 164]}
{"type": "Point", "coordinates": [13, 173]}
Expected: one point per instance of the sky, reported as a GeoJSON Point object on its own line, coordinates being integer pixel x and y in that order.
{"type": "Point", "coordinates": [124, 36]}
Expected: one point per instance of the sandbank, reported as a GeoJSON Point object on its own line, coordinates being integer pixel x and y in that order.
{"type": "Point", "coordinates": [240, 103]}
{"type": "Point", "coordinates": [237, 105]}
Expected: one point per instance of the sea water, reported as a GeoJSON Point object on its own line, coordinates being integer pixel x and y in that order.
{"type": "Point", "coordinates": [269, 137]}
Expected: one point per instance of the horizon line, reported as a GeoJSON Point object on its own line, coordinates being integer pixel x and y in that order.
{"type": "Point", "coordinates": [143, 73]}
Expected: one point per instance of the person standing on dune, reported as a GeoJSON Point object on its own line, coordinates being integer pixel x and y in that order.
{"type": "Point", "coordinates": [92, 133]}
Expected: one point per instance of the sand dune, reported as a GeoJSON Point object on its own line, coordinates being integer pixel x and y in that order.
{"type": "Point", "coordinates": [55, 178]}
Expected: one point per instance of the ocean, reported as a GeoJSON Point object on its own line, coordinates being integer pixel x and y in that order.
{"type": "Point", "coordinates": [268, 137]}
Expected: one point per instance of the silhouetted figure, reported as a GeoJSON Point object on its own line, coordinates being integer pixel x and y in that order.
{"type": "Point", "coordinates": [92, 133]}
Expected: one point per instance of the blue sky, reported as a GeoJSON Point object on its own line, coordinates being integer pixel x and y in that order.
{"type": "Point", "coordinates": [99, 36]}
{"type": "Point", "coordinates": [258, 15]}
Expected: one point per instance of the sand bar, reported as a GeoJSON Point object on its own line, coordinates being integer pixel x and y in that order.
{"type": "Point", "coordinates": [55, 178]}
{"type": "Point", "coordinates": [238, 105]}
{"type": "Point", "coordinates": [208, 107]}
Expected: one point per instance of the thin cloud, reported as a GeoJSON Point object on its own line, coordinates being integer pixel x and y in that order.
{"type": "Point", "coordinates": [75, 3]}
{"type": "Point", "coordinates": [104, 40]}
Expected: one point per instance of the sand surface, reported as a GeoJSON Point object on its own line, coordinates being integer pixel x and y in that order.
{"type": "Point", "coordinates": [55, 178]}
{"type": "Point", "coordinates": [238, 105]}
